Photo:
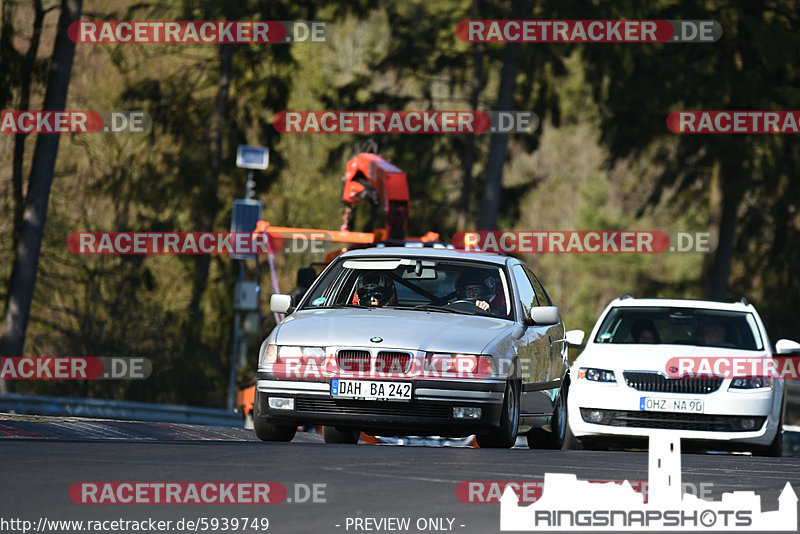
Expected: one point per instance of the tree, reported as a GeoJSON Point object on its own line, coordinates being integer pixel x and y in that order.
{"type": "Point", "coordinates": [26, 79]}
{"type": "Point", "coordinates": [752, 67]}
{"type": "Point", "coordinates": [26, 261]}
{"type": "Point", "coordinates": [476, 84]}
{"type": "Point", "coordinates": [487, 220]}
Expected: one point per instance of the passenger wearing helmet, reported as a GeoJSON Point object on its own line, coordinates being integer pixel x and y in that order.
{"type": "Point", "coordinates": [470, 287]}
{"type": "Point", "coordinates": [375, 289]}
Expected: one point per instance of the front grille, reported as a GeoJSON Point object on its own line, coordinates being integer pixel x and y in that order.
{"type": "Point", "coordinates": [393, 362]}
{"type": "Point", "coordinates": [353, 360]}
{"type": "Point", "coordinates": [355, 407]}
{"type": "Point", "coordinates": [662, 384]}
{"type": "Point", "coordinates": [676, 421]}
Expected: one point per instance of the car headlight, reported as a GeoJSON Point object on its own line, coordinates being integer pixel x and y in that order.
{"type": "Point", "coordinates": [274, 353]}
{"type": "Point", "coordinates": [596, 375]}
{"type": "Point", "coordinates": [458, 363]}
{"type": "Point", "coordinates": [750, 383]}
{"type": "Point", "coordinates": [267, 353]}
{"type": "Point", "coordinates": [301, 354]}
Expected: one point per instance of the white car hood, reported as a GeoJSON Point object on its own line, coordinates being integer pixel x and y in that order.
{"type": "Point", "coordinates": [641, 357]}
{"type": "Point", "coordinates": [401, 329]}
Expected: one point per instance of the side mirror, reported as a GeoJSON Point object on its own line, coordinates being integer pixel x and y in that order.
{"type": "Point", "coordinates": [575, 339]}
{"type": "Point", "coordinates": [280, 303]}
{"type": "Point", "coordinates": [787, 346]}
{"type": "Point", "coordinates": [543, 315]}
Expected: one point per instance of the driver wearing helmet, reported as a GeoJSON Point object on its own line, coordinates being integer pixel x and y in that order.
{"type": "Point", "coordinates": [470, 287]}
{"type": "Point", "coordinates": [374, 289]}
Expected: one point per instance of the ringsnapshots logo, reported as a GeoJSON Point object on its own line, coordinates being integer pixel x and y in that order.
{"type": "Point", "coordinates": [567, 504]}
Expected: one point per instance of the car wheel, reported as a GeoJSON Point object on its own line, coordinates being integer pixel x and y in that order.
{"type": "Point", "coordinates": [774, 449]}
{"type": "Point", "coordinates": [267, 431]}
{"type": "Point", "coordinates": [505, 435]}
{"type": "Point", "coordinates": [553, 440]}
{"type": "Point", "coordinates": [334, 435]}
{"type": "Point", "coordinates": [571, 443]}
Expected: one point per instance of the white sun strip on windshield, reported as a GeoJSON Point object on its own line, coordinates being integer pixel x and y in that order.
{"type": "Point", "coordinates": [373, 265]}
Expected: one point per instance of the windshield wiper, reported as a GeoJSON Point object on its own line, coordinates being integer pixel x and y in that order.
{"type": "Point", "coordinates": [334, 306]}
{"type": "Point", "coordinates": [446, 309]}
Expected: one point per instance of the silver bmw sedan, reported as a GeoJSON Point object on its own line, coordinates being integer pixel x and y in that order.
{"type": "Point", "coordinates": [417, 341]}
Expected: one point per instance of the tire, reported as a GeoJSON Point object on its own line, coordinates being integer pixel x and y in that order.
{"type": "Point", "coordinates": [774, 449]}
{"type": "Point", "coordinates": [267, 431]}
{"type": "Point", "coordinates": [505, 436]}
{"type": "Point", "coordinates": [334, 435]}
{"type": "Point", "coordinates": [571, 443]}
{"type": "Point", "coordinates": [555, 439]}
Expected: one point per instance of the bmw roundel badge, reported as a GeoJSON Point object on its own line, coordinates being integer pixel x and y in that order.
{"type": "Point", "coordinates": [376, 339]}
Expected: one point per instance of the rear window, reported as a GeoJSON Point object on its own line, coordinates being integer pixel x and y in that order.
{"type": "Point", "coordinates": [680, 326]}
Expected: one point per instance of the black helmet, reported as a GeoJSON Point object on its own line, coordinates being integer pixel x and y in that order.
{"type": "Point", "coordinates": [375, 284]}
{"type": "Point", "coordinates": [466, 279]}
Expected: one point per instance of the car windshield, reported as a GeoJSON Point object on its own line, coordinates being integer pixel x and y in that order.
{"type": "Point", "coordinates": [447, 286]}
{"type": "Point", "coordinates": [681, 326]}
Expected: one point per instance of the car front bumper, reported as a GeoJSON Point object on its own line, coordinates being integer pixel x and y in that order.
{"type": "Point", "coordinates": [430, 411]}
{"type": "Point", "coordinates": [743, 416]}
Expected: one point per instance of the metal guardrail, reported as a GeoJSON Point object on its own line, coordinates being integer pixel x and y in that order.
{"type": "Point", "coordinates": [110, 409]}
{"type": "Point", "coordinates": [169, 413]}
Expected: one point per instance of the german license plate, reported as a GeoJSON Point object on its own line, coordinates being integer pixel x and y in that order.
{"type": "Point", "coordinates": [370, 390]}
{"type": "Point", "coordinates": [655, 404]}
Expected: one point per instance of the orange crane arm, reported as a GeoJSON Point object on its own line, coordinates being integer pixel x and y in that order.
{"type": "Point", "coordinates": [334, 236]}
{"type": "Point", "coordinates": [372, 177]}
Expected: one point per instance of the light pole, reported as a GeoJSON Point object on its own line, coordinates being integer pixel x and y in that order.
{"type": "Point", "coordinates": [245, 216]}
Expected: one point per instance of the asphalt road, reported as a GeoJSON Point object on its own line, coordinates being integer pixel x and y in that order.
{"type": "Point", "coordinates": [40, 459]}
